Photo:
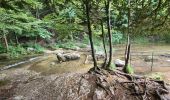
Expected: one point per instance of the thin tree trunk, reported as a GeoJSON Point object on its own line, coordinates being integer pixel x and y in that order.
{"type": "Point", "coordinates": [6, 43]}
{"type": "Point", "coordinates": [104, 45]}
{"type": "Point", "coordinates": [107, 4]}
{"type": "Point", "coordinates": [127, 50]}
{"type": "Point", "coordinates": [127, 59]}
{"type": "Point", "coordinates": [16, 39]}
{"type": "Point", "coordinates": [90, 32]}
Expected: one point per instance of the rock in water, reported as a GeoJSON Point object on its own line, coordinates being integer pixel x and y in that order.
{"type": "Point", "coordinates": [67, 57]}
{"type": "Point", "coordinates": [71, 56]}
{"type": "Point", "coordinates": [119, 63]}
{"type": "Point", "coordinates": [60, 57]}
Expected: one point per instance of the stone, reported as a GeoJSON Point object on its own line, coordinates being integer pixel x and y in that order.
{"type": "Point", "coordinates": [68, 56]}
{"type": "Point", "coordinates": [29, 49]}
{"type": "Point", "coordinates": [149, 59]}
{"type": "Point", "coordinates": [60, 57]}
{"type": "Point", "coordinates": [72, 56]}
{"type": "Point", "coordinates": [119, 63]}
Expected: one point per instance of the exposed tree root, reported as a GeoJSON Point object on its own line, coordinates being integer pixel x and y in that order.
{"type": "Point", "coordinates": [139, 87]}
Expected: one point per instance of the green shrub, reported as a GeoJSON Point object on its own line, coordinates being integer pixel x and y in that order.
{"type": "Point", "coordinates": [117, 36]}
{"type": "Point", "coordinates": [67, 45]}
{"type": "Point", "coordinates": [16, 51]}
{"type": "Point", "coordinates": [38, 48]}
{"type": "Point", "coordinates": [166, 37]}
{"type": "Point", "coordinates": [2, 48]}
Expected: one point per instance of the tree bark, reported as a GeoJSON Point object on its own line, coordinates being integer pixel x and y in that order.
{"type": "Point", "coordinates": [127, 58]}
{"type": "Point", "coordinates": [16, 39]}
{"type": "Point", "coordinates": [127, 50]}
{"type": "Point", "coordinates": [6, 43]}
{"type": "Point", "coordinates": [107, 6]}
{"type": "Point", "coordinates": [104, 45]}
{"type": "Point", "coordinates": [90, 32]}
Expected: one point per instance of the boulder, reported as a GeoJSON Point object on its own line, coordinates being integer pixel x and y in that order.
{"type": "Point", "coordinates": [149, 59]}
{"type": "Point", "coordinates": [67, 56]}
{"type": "Point", "coordinates": [60, 57]}
{"type": "Point", "coordinates": [119, 63]}
{"type": "Point", "coordinates": [72, 56]}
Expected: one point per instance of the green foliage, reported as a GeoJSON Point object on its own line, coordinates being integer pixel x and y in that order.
{"type": "Point", "coordinates": [117, 36]}
{"type": "Point", "coordinates": [2, 48]}
{"type": "Point", "coordinates": [166, 37]}
{"type": "Point", "coordinates": [22, 24]}
{"type": "Point", "coordinates": [67, 45]}
{"type": "Point", "coordinates": [16, 51]}
{"type": "Point", "coordinates": [38, 48]}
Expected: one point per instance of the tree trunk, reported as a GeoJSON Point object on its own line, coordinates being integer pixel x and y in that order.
{"type": "Point", "coordinates": [127, 50]}
{"type": "Point", "coordinates": [127, 58]}
{"type": "Point", "coordinates": [6, 43]}
{"type": "Point", "coordinates": [107, 5]}
{"type": "Point", "coordinates": [16, 39]}
{"type": "Point", "coordinates": [104, 45]}
{"type": "Point", "coordinates": [90, 32]}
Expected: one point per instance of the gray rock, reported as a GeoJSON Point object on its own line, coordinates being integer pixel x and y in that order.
{"type": "Point", "coordinates": [72, 56]}
{"type": "Point", "coordinates": [67, 56]}
{"type": "Point", "coordinates": [29, 49]}
{"type": "Point", "coordinates": [60, 57]}
{"type": "Point", "coordinates": [119, 63]}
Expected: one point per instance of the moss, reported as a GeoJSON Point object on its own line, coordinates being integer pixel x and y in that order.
{"type": "Point", "coordinates": [112, 67]}
{"type": "Point", "coordinates": [130, 69]}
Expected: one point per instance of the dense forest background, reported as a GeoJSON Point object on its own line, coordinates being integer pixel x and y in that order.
{"type": "Point", "coordinates": [39, 24]}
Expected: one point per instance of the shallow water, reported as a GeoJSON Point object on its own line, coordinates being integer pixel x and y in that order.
{"type": "Point", "coordinates": [48, 63]}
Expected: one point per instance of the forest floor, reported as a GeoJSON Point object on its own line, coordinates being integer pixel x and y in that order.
{"type": "Point", "coordinates": [46, 79]}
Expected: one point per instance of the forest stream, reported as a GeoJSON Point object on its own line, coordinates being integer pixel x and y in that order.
{"type": "Point", "coordinates": [36, 72]}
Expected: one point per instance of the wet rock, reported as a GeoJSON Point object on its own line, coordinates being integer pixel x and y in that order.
{"type": "Point", "coordinates": [4, 56]}
{"type": "Point", "coordinates": [119, 63]}
{"type": "Point", "coordinates": [149, 59]}
{"type": "Point", "coordinates": [72, 56]}
{"type": "Point", "coordinates": [60, 57]}
{"type": "Point", "coordinates": [68, 57]}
